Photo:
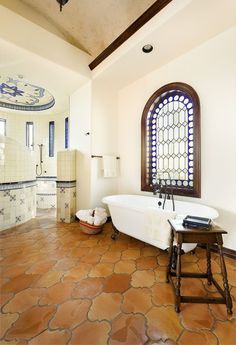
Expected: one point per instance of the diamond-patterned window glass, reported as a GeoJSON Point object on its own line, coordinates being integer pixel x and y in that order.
{"type": "Point", "coordinates": [171, 139]}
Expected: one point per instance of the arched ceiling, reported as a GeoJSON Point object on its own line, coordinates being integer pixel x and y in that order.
{"type": "Point", "coordinates": [90, 25]}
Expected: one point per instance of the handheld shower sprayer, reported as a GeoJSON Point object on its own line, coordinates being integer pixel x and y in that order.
{"type": "Point", "coordinates": [40, 160]}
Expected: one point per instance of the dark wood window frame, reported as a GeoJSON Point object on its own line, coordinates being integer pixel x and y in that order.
{"type": "Point", "coordinates": [195, 191]}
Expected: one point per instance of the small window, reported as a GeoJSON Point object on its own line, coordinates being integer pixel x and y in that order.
{"type": "Point", "coordinates": [3, 126]}
{"type": "Point", "coordinates": [66, 133]}
{"type": "Point", "coordinates": [51, 138]}
{"type": "Point", "coordinates": [30, 135]}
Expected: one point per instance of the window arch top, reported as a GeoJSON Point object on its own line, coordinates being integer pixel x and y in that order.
{"type": "Point", "coordinates": [171, 139]}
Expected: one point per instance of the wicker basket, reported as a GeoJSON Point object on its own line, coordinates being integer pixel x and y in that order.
{"type": "Point", "coordinates": [89, 228]}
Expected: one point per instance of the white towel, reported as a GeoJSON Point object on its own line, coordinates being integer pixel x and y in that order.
{"type": "Point", "coordinates": [157, 225]}
{"type": "Point", "coordinates": [109, 166]}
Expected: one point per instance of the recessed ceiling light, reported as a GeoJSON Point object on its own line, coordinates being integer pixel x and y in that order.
{"type": "Point", "coordinates": [147, 48]}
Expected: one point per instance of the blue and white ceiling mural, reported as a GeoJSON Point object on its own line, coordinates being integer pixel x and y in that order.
{"type": "Point", "coordinates": [18, 95]}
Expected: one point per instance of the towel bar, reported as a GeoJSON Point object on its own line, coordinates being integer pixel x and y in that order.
{"type": "Point", "coordinates": [94, 156]}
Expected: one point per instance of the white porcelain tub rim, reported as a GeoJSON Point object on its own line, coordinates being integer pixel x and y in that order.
{"type": "Point", "coordinates": [128, 201]}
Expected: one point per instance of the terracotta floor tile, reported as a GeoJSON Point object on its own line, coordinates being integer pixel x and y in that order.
{"type": "Point", "coordinates": [122, 281]}
{"type": "Point", "coordinates": [23, 300]}
{"type": "Point", "coordinates": [193, 287]}
{"type": "Point", "coordinates": [226, 332]}
{"type": "Point", "coordinates": [90, 333]}
{"type": "Point", "coordinates": [32, 322]}
{"type": "Point", "coordinates": [130, 254]}
{"type": "Point", "coordinates": [65, 264]}
{"type": "Point", "coordinates": [70, 314]}
{"type": "Point", "coordinates": [196, 338]}
{"type": "Point", "coordinates": [6, 320]}
{"type": "Point", "coordinates": [146, 263]}
{"type": "Point", "coordinates": [78, 252]}
{"type": "Point", "coordinates": [91, 258]}
{"type": "Point", "coordinates": [133, 243]}
{"type": "Point", "coordinates": [105, 306]}
{"type": "Point", "coordinates": [51, 338]}
{"type": "Point", "coordinates": [136, 300]}
{"type": "Point", "coordinates": [162, 293]}
{"type": "Point", "coordinates": [118, 246]}
{"type": "Point", "coordinates": [77, 273]}
{"type": "Point", "coordinates": [219, 312]}
{"type": "Point", "coordinates": [41, 267]}
{"type": "Point", "coordinates": [190, 267]}
{"type": "Point", "coordinates": [98, 250]}
{"type": "Point", "coordinates": [150, 251]}
{"type": "Point", "coordinates": [125, 266]}
{"type": "Point", "coordinates": [88, 288]}
{"type": "Point", "coordinates": [231, 277]}
{"type": "Point", "coordinates": [163, 323]}
{"type": "Point", "coordinates": [160, 274]}
{"type": "Point", "coordinates": [162, 259]}
{"type": "Point", "coordinates": [19, 283]}
{"type": "Point", "coordinates": [101, 270]}
{"type": "Point", "coordinates": [48, 279]}
{"type": "Point", "coordinates": [111, 257]}
{"type": "Point", "coordinates": [117, 283]}
{"type": "Point", "coordinates": [58, 293]}
{"type": "Point", "coordinates": [215, 267]}
{"type": "Point", "coordinates": [233, 293]}
{"type": "Point", "coordinates": [196, 316]}
{"type": "Point", "coordinates": [128, 329]}
{"type": "Point", "coordinates": [4, 298]}
{"type": "Point", "coordinates": [144, 278]}
{"type": "Point", "coordinates": [15, 270]}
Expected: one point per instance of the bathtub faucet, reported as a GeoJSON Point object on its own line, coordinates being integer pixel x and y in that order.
{"type": "Point", "coordinates": [161, 186]}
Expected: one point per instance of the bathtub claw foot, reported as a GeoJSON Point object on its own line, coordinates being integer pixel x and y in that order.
{"type": "Point", "coordinates": [115, 233]}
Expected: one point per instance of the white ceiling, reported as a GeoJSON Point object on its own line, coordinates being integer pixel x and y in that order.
{"type": "Point", "coordinates": [179, 27]}
{"type": "Point", "coordinates": [87, 24]}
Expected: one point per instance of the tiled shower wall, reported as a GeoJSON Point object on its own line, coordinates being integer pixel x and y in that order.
{"type": "Point", "coordinates": [46, 195]}
{"type": "Point", "coordinates": [17, 183]}
{"type": "Point", "coordinates": [16, 128]}
{"type": "Point", "coordinates": [66, 186]}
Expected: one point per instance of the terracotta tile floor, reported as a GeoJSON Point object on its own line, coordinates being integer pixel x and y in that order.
{"type": "Point", "coordinates": [60, 286]}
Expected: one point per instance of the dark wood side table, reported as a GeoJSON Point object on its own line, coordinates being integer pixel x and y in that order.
{"type": "Point", "coordinates": [189, 235]}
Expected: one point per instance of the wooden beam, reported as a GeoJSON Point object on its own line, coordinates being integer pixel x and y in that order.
{"type": "Point", "coordinates": [135, 26]}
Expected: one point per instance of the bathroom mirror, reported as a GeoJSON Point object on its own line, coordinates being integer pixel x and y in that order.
{"type": "Point", "coordinates": [170, 132]}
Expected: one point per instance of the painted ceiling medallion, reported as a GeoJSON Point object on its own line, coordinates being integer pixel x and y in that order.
{"type": "Point", "coordinates": [19, 95]}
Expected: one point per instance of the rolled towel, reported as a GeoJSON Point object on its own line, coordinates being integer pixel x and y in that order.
{"type": "Point", "coordinates": [90, 220]}
{"type": "Point", "coordinates": [100, 211]}
{"type": "Point", "coordinates": [84, 213]}
{"type": "Point", "coordinates": [98, 220]}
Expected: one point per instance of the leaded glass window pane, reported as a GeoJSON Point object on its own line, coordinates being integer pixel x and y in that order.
{"type": "Point", "coordinates": [170, 123]}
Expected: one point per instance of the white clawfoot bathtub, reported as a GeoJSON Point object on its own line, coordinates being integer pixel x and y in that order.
{"type": "Point", "coordinates": [128, 215]}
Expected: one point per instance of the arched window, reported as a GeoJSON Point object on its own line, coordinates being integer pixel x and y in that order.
{"type": "Point", "coordinates": [171, 139]}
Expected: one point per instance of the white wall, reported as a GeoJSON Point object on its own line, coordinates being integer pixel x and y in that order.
{"type": "Point", "coordinates": [93, 109]}
{"type": "Point", "coordinates": [211, 70]}
{"type": "Point", "coordinates": [80, 124]}
{"type": "Point", "coordinates": [103, 139]}
{"type": "Point", "coordinates": [16, 129]}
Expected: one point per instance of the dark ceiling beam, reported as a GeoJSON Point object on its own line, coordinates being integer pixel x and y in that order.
{"type": "Point", "coordinates": [135, 26]}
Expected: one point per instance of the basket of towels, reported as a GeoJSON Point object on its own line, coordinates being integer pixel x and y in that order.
{"type": "Point", "coordinates": [92, 221]}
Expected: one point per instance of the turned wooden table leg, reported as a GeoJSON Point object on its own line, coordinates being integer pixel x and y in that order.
{"type": "Point", "coordinates": [224, 275]}
{"type": "Point", "coordinates": [209, 272]}
{"type": "Point", "coordinates": [170, 256]}
{"type": "Point", "coordinates": [178, 278]}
